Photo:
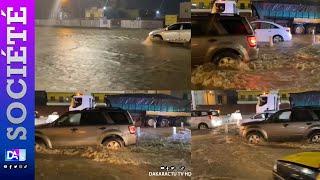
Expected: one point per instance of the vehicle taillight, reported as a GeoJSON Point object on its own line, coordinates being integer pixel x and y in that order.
{"type": "Point", "coordinates": [210, 117]}
{"type": "Point", "coordinates": [132, 129]}
{"type": "Point", "coordinates": [252, 41]}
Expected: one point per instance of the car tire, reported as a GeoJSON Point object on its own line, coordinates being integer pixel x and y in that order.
{"type": "Point", "coordinates": [40, 144]}
{"type": "Point", "coordinates": [314, 137]}
{"type": "Point", "coordinates": [277, 39]}
{"type": "Point", "coordinates": [227, 59]}
{"type": "Point", "coordinates": [299, 29]}
{"type": "Point", "coordinates": [255, 138]}
{"type": "Point", "coordinates": [113, 143]}
{"type": "Point", "coordinates": [157, 38]}
{"type": "Point", "coordinates": [203, 126]}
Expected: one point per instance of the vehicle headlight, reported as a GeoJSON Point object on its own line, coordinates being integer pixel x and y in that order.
{"type": "Point", "coordinates": [307, 171]}
{"type": "Point", "coordinates": [151, 33]}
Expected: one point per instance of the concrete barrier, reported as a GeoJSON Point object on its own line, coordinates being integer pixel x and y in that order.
{"type": "Point", "coordinates": [101, 23]}
{"type": "Point", "coordinates": [70, 23]}
{"type": "Point", "coordinates": [141, 24]}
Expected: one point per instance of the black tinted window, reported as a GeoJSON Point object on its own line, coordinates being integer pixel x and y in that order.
{"type": "Point", "coordinates": [119, 117]}
{"type": "Point", "coordinates": [317, 113]}
{"type": "Point", "coordinates": [93, 118]}
{"type": "Point", "coordinates": [199, 27]}
{"type": "Point", "coordinates": [301, 115]}
{"type": "Point", "coordinates": [187, 26]}
{"type": "Point", "coordinates": [235, 26]}
{"type": "Point", "coordinates": [174, 27]}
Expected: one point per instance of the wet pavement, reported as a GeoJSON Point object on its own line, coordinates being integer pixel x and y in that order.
{"type": "Point", "coordinates": [69, 59]}
{"type": "Point", "coordinates": [155, 148]}
{"type": "Point", "coordinates": [217, 155]}
{"type": "Point", "coordinates": [287, 65]}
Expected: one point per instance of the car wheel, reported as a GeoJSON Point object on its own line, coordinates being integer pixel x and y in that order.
{"type": "Point", "coordinates": [227, 60]}
{"type": "Point", "coordinates": [39, 145]}
{"type": "Point", "coordinates": [255, 138]}
{"type": "Point", "coordinates": [315, 138]}
{"type": "Point", "coordinates": [299, 29]}
{"type": "Point", "coordinates": [203, 126]}
{"type": "Point", "coordinates": [113, 144]}
{"type": "Point", "coordinates": [277, 39]}
{"type": "Point", "coordinates": [157, 38]}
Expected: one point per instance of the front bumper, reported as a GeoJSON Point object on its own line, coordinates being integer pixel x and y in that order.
{"type": "Point", "coordinates": [276, 176]}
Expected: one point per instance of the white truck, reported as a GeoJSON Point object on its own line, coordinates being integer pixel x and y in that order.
{"type": "Point", "coordinates": [80, 102]}
{"type": "Point", "coordinates": [268, 102]}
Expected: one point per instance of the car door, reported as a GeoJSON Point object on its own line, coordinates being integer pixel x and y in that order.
{"type": "Point", "coordinates": [204, 36]}
{"type": "Point", "coordinates": [261, 31]}
{"type": "Point", "coordinates": [172, 33]}
{"type": "Point", "coordinates": [92, 124]}
{"type": "Point", "coordinates": [277, 127]}
{"type": "Point", "coordinates": [63, 131]}
{"type": "Point", "coordinates": [301, 120]}
{"type": "Point", "coordinates": [185, 33]}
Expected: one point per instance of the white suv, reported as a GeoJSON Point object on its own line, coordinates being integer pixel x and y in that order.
{"type": "Point", "coordinates": [176, 33]}
{"type": "Point", "coordinates": [204, 119]}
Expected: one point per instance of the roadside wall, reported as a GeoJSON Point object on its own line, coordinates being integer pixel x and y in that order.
{"type": "Point", "coordinates": [141, 24]}
{"type": "Point", "coordinates": [101, 23]}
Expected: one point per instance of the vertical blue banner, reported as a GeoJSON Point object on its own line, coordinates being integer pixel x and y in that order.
{"type": "Point", "coordinates": [17, 66]}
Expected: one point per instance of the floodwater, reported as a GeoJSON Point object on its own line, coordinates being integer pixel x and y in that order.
{"type": "Point", "coordinates": [155, 148]}
{"type": "Point", "coordinates": [235, 159]}
{"type": "Point", "coordinates": [70, 59]}
{"type": "Point", "coordinates": [287, 65]}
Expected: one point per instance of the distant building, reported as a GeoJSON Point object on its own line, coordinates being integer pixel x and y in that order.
{"type": "Point", "coordinates": [213, 97]}
{"type": "Point", "coordinates": [185, 10]}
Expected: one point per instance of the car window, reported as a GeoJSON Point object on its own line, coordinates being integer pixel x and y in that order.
{"type": "Point", "coordinates": [267, 26]}
{"type": "Point", "coordinates": [234, 26]}
{"type": "Point", "coordinates": [302, 115]}
{"type": "Point", "coordinates": [72, 119]}
{"type": "Point", "coordinates": [174, 27]}
{"type": "Point", "coordinates": [202, 113]}
{"type": "Point", "coordinates": [93, 118]}
{"type": "Point", "coordinates": [282, 116]}
{"type": "Point", "coordinates": [263, 101]}
{"type": "Point", "coordinates": [199, 27]}
{"type": "Point", "coordinates": [317, 114]}
{"type": "Point", "coordinates": [187, 26]}
{"type": "Point", "coordinates": [119, 117]}
{"type": "Point", "coordinates": [220, 7]}
{"type": "Point", "coordinates": [259, 116]}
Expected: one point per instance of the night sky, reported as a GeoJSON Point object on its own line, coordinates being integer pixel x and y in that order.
{"type": "Point", "coordinates": [168, 7]}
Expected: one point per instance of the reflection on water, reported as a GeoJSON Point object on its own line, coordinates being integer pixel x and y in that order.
{"type": "Point", "coordinates": [71, 59]}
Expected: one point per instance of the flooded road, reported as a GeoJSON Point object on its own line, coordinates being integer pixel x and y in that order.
{"type": "Point", "coordinates": [286, 65]}
{"type": "Point", "coordinates": [235, 159]}
{"type": "Point", "coordinates": [70, 59]}
{"type": "Point", "coordinates": [155, 148]}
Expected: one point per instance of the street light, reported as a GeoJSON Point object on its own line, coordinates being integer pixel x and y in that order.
{"type": "Point", "coordinates": [157, 12]}
{"type": "Point", "coordinates": [104, 7]}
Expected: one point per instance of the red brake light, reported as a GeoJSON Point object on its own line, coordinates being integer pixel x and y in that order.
{"type": "Point", "coordinates": [132, 129]}
{"type": "Point", "coordinates": [252, 41]}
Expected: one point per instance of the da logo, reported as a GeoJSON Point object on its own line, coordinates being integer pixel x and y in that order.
{"type": "Point", "coordinates": [15, 155]}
